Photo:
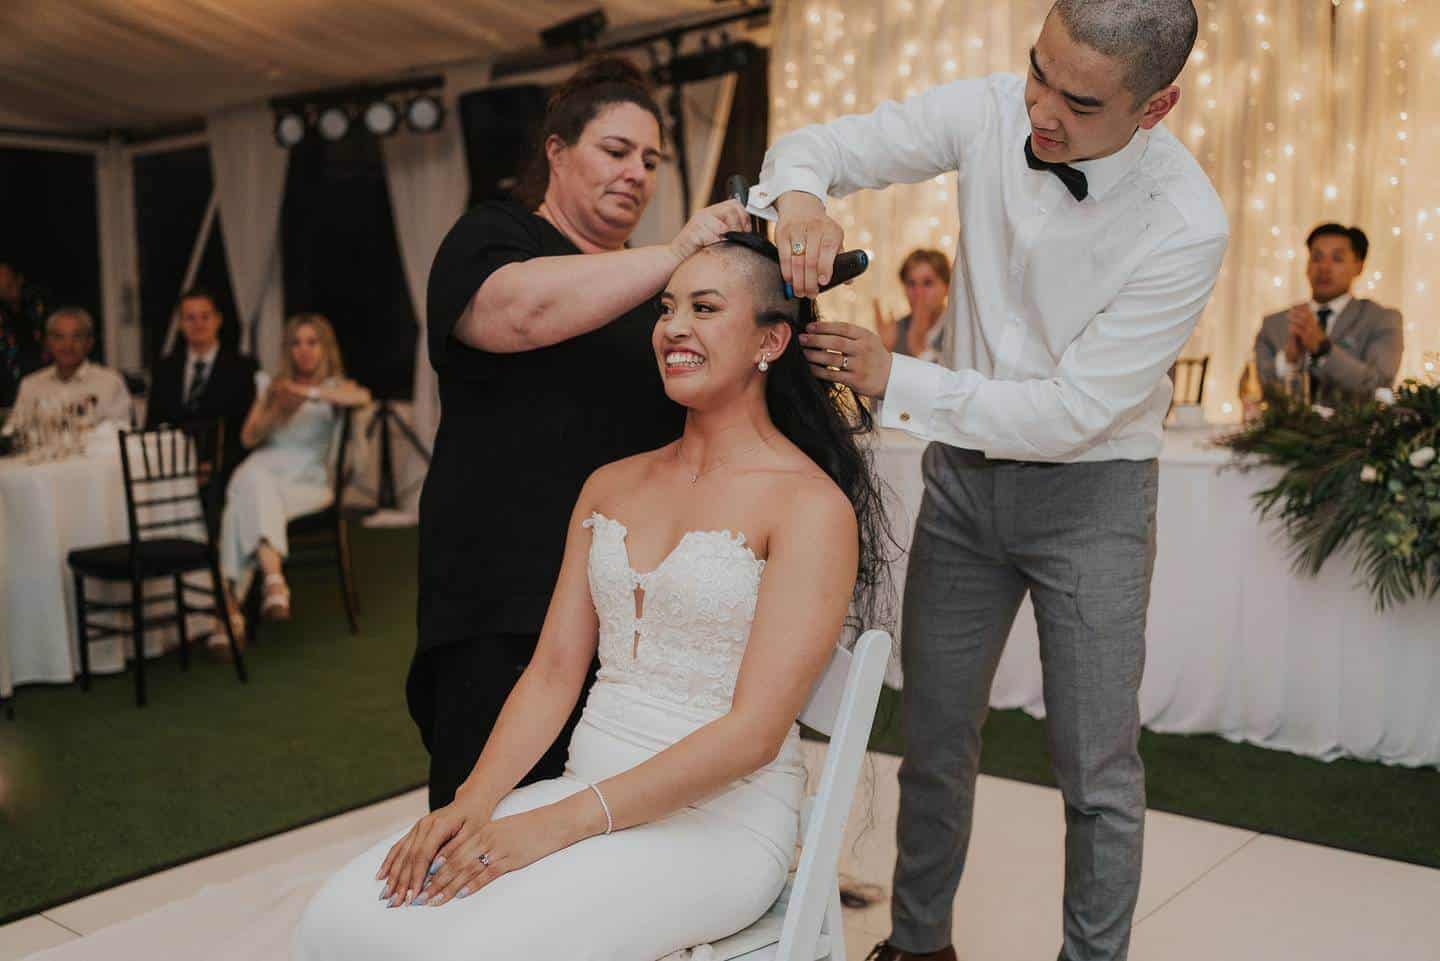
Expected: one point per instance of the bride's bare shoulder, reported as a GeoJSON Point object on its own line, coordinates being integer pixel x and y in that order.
{"type": "Point", "coordinates": [624, 474]}
{"type": "Point", "coordinates": [806, 504]}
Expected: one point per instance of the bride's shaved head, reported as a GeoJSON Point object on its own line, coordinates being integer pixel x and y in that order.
{"type": "Point", "coordinates": [760, 275]}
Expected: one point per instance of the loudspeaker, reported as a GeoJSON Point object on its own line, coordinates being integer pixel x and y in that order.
{"type": "Point", "coordinates": [502, 132]}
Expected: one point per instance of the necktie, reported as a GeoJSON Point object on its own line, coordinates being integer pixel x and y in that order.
{"type": "Point", "coordinates": [1074, 180]}
{"type": "Point", "coordinates": [197, 384]}
{"type": "Point", "coordinates": [1323, 315]}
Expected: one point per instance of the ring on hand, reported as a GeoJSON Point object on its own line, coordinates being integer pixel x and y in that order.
{"type": "Point", "coordinates": [484, 859]}
{"type": "Point", "coordinates": [844, 361]}
{"type": "Point", "coordinates": [797, 247]}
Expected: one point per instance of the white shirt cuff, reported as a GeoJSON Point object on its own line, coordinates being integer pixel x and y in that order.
{"type": "Point", "coordinates": [1283, 367]}
{"type": "Point", "coordinates": [910, 396]}
{"type": "Point", "coordinates": [763, 195]}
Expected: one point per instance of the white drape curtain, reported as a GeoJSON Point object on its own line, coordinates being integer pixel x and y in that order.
{"type": "Point", "coordinates": [249, 169]}
{"type": "Point", "coordinates": [1295, 122]}
{"type": "Point", "coordinates": [119, 270]}
{"type": "Point", "coordinates": [429, 184]}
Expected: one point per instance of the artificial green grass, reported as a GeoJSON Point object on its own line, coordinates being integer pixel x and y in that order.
{"type": "Point", "coordinates": [94, 791]}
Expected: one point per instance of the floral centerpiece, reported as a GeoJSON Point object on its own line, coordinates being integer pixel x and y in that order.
{"type": "Point", "coordinates": [1364, 478]}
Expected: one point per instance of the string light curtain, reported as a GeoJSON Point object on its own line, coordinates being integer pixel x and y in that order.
{"type": "Point", "coordinates": [1386, 150]}
{"type": "Point", "coordinates": [1276, 93]}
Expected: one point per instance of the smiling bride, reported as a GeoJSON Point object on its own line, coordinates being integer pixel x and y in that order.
{"type": "Point", "coordinates": [713, 576]}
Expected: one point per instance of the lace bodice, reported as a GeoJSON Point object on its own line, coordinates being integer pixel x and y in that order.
{"type": "Point", "coordinates": [686, 645]}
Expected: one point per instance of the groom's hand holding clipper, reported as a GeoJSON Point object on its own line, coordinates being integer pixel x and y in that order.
{"type": "Point", "coordinates": [809, 239]}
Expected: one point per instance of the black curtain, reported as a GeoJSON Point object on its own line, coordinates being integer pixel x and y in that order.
{"type": "Point", "coordinates": [172, 190]}
{"type": "Point", "coordinates": [746, 135]}
{"type": "Point", "coordinates": [49, 230]}
{"type": "Point", "coordinates": [342, 259]}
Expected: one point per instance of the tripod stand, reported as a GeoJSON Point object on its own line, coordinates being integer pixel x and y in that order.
{"type": "Point", "coordinates": [386, 417]}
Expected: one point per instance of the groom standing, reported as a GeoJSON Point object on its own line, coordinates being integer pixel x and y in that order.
{"type": "Point", "coordinates": [1090, 241]}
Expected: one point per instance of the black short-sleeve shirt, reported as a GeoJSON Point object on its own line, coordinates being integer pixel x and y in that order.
{"type": "Point", "coordinates": [519, 434]}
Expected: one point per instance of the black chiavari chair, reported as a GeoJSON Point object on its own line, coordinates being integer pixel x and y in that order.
{"type": "Point", "coordinates": [162, 477]}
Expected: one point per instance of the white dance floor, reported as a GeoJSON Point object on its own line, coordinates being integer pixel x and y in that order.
{"type": "Point", "coordinates": [1209, 891]}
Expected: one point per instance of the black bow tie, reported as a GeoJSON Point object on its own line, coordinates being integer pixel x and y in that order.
{"type": "Point", "coordinates": [1074, 180]}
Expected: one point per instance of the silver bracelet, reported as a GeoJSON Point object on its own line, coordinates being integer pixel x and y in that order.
{"type": "Point", "coordinates": [609, 822]}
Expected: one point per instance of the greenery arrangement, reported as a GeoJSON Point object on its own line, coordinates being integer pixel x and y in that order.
{"type": "Point", "coordinates": [1364, 477]}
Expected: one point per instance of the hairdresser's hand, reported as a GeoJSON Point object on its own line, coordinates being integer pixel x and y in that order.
{"type": "Point", "coordinates": [849, 355]}
{"type": "Point", "coordinates": [709, 226]}
{"type": "Point", "coordinates": [803, 220]}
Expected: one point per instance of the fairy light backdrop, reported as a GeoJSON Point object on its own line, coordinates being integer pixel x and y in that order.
{"type": "Point", "coordinates": [1299, 110]}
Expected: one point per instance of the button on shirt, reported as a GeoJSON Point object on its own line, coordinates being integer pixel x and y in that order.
{"type": "Point", "coordinates": [112, 399]}
{"type": "Point", "coordinates": [1065, 315]}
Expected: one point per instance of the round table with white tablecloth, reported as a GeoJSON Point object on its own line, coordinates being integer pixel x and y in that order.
{"type": "Point", "coordinates": [47, 510]}
{"type": "Point", "coordinates": [1238, 643]}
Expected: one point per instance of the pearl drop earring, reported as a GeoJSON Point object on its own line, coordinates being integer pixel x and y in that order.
{"type": "Point", "coordinates": [764, 364]}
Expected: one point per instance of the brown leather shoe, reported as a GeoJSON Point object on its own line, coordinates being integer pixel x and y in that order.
{"type": "Point", "coordinates": [885, 951]}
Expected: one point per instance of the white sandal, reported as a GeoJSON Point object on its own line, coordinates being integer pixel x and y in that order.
{"type": "Point", "coordinates": [276, 606]}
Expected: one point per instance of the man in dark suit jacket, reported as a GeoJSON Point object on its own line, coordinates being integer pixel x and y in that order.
{"type": "Point", "coordinates": [1351, 346]}
{"type": "Point", "coordinates": [204, 380]}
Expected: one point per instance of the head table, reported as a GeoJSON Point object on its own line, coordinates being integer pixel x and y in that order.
{"type": "Point", "coordinates": [48, 509]}
{"type": "Point", "coordinates": [1238, 644]}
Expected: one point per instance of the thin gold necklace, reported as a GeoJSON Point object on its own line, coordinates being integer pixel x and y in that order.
{"type": "Point", "coordinates": [696, 475]}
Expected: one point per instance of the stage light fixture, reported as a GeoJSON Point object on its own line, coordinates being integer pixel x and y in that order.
{"type": "Point", "coordinates": [424, 113]}
{"type": "Point", "coordinates": [381, 118]}
{"type": "Point", "coordinates": [290, 128]}
{"type": "Point", "coordinates": [333, 123]}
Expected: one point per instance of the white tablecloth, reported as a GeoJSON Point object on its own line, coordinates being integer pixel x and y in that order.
{"type": "Point", "coordinates": [46, 511]}
{"type": "Point", "coordinates": [1238, 644]}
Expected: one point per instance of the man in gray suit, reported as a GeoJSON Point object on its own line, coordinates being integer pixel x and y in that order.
{"type": "Point", "coordinates": [1351, 346]}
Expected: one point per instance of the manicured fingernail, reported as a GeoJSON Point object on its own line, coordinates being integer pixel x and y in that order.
{"type": "Point", "coordinates": [435, 864]}
{"type": "Point", "coordinates": [394, 901]}
{"type": "Point", "coordinates": [789, 291]}
{"type": "Point", "coordinates": [464, 892]}
{"type": "Point", "coordinates": [824, 280]}
{"type": "Point", "coordinates": [409, 895]}
{"type": "Point", "coordinates": [439, 900]}
{"type": "Point", "coordinates": [419, 902]}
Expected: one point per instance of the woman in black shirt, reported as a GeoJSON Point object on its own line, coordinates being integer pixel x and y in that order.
{"type": "Point", "coordinates": [539, 325]}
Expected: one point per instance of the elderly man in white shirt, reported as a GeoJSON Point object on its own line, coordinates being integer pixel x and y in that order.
{"type": "Point", "coordinates": [69, 337]}
{"type": "Point", "coordinates": [1090, 242]}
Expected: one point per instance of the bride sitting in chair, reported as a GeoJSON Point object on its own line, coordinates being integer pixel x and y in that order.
{"type": "Point", "coordinates": [714, 576]}
{"type": "Point", "coordinates": [290, 431]}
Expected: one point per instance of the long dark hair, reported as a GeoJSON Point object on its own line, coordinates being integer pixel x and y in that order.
{"type": "Point", "coordinates": [827, 421]}
{"type": "Point", "coordinates": [596, 85]}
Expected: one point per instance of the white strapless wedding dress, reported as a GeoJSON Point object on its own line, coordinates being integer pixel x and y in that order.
{"type": "Point", "coordinates": [694, 877]}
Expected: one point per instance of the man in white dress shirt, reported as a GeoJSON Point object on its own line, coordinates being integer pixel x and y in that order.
{"type": "Point", "coordinates": [69, 337]}
{"type": "Point", "coordinates": [1090, 241]}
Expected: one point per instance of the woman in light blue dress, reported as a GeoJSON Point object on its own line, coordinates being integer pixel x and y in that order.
{"type": "Point", "coordinates": [290, 431]}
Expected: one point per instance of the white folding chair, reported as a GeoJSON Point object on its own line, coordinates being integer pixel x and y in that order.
{"type": "Point", "coordinates": [805, 923]}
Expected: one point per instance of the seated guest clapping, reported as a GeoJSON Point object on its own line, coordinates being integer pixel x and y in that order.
{"type": "Point", "coordinates": [1351, 346]}
{"type": "Point", "coordinates": [72, 379]}
{"type": "Point", "coordinates": [290, 431]}
{"type": "Point", "coordinates": [925, 275]}
{"type": "Point", "coordinates": [202, 381]}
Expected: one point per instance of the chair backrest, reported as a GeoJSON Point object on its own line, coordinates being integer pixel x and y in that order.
{"type": "Point", "coordinates": [340, 476]}
{"type": "Point", "coordinates": [842, 706]}
{"type": "Point", "coordinates": [162, 478]}
{"type": "Point", "coordinates": [1188, 375]}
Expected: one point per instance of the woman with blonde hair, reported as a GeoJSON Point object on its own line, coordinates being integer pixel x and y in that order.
{"type": "Point", "coordinates": [289, 431]}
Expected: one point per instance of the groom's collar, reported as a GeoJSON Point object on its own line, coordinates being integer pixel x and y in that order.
{"type": "Point", "coordinates": [1103, 174]}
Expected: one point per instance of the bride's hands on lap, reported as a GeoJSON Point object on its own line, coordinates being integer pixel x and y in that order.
{"type": "Point", "coordinates": [407, 864]}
